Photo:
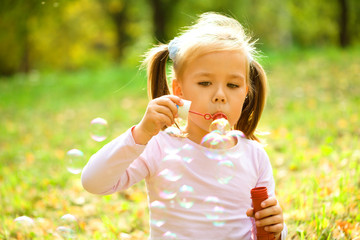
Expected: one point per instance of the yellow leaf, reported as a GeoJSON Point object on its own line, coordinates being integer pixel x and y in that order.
{"type": "Point", "coordinates": [29, 157]}
{"type": "Point", "coordinates": [338, 208]}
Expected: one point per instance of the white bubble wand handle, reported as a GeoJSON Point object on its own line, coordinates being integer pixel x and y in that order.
{"type": "Point", "coordinates": [183, 110]}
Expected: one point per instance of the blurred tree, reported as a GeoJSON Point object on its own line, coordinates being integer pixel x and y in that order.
{"type": "Point", "coordinates": [57, 34]}
{"type": "Point", "coordinates": [314, 23]}
{"type": "Point", "coordinates": [354, 21]}
{"type": "Point", "coordinates": [163, 11]}
{"type": "Point", "coordinates": [67, 36]}
{"type": "Point", "coordinates": [343, 23]}
{"type": "Point", "coordinates": [15, 47]}
{"type": "Point", "coordinates": [271, 23]}
{"type": "Point", "coordinates": [118, 11]}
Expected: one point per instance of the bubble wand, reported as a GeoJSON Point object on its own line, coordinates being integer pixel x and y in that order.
{"type": "Point", "coordinates": [185, 109]}
{"type": "Point", "coordinates": [208, 116]}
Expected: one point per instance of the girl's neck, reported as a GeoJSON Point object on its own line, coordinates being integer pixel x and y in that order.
{"type": "Point", "coordinates": [195, 134]}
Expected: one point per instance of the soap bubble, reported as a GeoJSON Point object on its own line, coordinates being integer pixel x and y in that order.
{"type": "Point", "coordinates": [218, 138]}
{"type": "Point", "coordinates": [168, 193]}
{"type": "Point", "coordinates": [215, 154]}
{"type": "Point", "coordinates": [157, 204]}
{"type": "Point", "coordinates": [99, 129]}
{"type": "Point", "coordinates": [227, 142]}
{"type": "Point", "coordinates": [161, 206]}
{"type": "Point", "coordinates": [169, 235]}
{"type": "Point", "coordinates": [221, 125]}
{"type": "Point", "coordinates": [187, 153]}
{"type": "Point", "coordinates": [225, 171]}
{"type": "Point", "coordinates": [215, 212]}
{"type": "Point", "coordinates": [171, 153]}
{"type": "Point", "coordinates": [66, 232]}
{"type": "Point", "coordinates": [235, 155]}
{"type": "Point", "coordinates": [212, 140]}
{"type": "Point", "coordinates": [215, 140]}
{"type": "Point", "coordinates": [171, 163]}
{"type": "Point", "coordinates": [68, 220]}
{"type": "Point", "coordinates": [68, 223]}
{"type": "Point", "coordinates": [24, 221]}
{"type": "Point", "coordinates": [185, 196]}
{"type": "Point", "coordinates": [75, 161]}
{"type": "Point", "coordinates": [24, 226]}
{"type": "Point", "coordinates": [169, 175]}
{"type": "Point", "coordinates": [169, 189]}
{"type": "Point", "coordinates": [235, 134]}
{"type": "Point", "coordinates": [157, 223]}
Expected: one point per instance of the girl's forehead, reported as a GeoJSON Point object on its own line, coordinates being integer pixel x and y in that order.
{"type": "Point", "coordinates": [223, 54]}
{"type": "Point", "coordinates": [216, 61]}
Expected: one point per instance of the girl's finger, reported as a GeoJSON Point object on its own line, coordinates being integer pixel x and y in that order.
{"type": "Point", "coordinates": [269, 211]}
{"type": "Point", "coordinates": [165, 111]}
{"type": "Point", "coordinates": [169, 102]}
{"type": "Point", "coordinates": [165, 120]}
{"type": "Point", "coordinates": [275, 228]}
{"type": "Point", "coordinates": [250, 212]}
{"type": "Point", "coordinates": [177, 100]}
{"type": "Point", "coordinates": [271, 201]}
{"type": "Point", "coordinates": [277, 219]}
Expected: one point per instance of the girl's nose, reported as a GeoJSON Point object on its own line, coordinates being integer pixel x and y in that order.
{"type": "Point", "coordinates": [219, 96]}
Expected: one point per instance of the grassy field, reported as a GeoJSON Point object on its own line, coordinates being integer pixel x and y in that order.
{"type": "Point", "coordinates": [310, 125]}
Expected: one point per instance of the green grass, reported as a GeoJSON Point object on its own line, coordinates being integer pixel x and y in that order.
{"type": "Point", "coordinates": [312, 116]}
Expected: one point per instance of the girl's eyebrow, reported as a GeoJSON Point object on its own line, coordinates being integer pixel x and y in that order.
{"type": "Point", "coordinates": [208, 74]}
{"type": "Point", "coordinates": [203, 74]}
{"type": "Point", "coordinates": [237, 75]}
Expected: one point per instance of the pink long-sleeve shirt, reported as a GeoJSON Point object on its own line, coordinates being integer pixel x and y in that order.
{"type": "Point", "coordinates": [193, 192]}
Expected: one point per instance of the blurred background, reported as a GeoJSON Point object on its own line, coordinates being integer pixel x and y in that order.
{"type": "Point", "coordinates": [69, 35]}
{"type": "Point", "coordinates": [70, 82]}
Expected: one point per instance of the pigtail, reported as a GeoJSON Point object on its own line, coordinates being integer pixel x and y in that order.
{"type": "Point", "coordinates": [156, 70]}
{"type": "Point", "coordinates": [255, 101]}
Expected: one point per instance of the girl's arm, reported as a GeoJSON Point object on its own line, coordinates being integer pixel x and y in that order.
{"type": "Point", "coordinates": [108, 170]}
{"type": "Point", "coordinates": [271, 216]}
{"type": "Point", "coordinates": [118, 164]}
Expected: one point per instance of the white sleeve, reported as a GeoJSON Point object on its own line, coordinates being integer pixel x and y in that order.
{"type": "Point", "coordinates": [284, 232]}
{"type": "Point", "coordinates": [109, 170]}
{"type": "Point", "coordinates": [266, 178]}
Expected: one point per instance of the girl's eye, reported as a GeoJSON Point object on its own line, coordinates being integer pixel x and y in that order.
{"type": "Point", "coordinates": [232, 85]}
{"type": "Point", "coordinates": [204, 83]}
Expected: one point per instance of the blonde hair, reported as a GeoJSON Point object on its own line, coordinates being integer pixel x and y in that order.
{"type": "Point", "coordinates": [212, 32]}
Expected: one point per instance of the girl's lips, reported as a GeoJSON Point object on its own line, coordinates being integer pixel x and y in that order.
{"type": "Point", "coordinates": [218, 115]}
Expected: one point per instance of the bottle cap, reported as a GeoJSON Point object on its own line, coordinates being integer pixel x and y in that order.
{"type": "Point", "coordinates": [259, 193]}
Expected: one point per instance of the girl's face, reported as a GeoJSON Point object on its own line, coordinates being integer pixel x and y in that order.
{"type": "Point", "coordinates": [215, 83]}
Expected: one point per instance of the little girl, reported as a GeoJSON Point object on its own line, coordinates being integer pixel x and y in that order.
{"type": "Point", "coordinates": [214, 68]}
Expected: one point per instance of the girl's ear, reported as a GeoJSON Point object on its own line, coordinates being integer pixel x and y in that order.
{"type": "Point", "coordinates": [176, 87]}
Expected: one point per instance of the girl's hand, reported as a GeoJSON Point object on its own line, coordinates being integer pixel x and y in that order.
{"type": "Point", "coordinates": [270, 217]}
{"type": "Point", "coordinates": [160, 112]}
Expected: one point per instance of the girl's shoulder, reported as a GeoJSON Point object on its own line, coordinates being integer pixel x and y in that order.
{"type": "Point", "coordinates": [167, 140]}
{"type": "Point", "coordinates": [167, 136]}
{"type": "Point", "coordinates": [252, 145]}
